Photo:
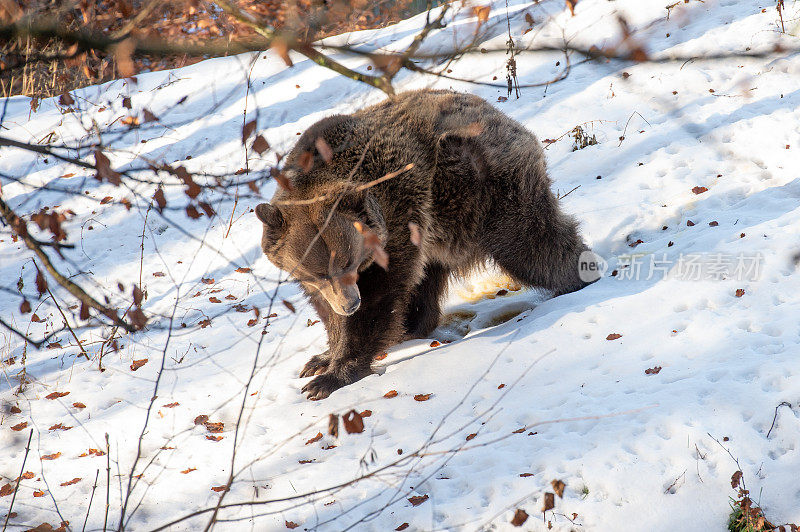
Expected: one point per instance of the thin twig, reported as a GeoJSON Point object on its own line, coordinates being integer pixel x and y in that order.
{"type": "Point", "coordinates": [19, 479]}
{"type": "Point", "coordinates": [19, 226]}
{"type": "Point", "coordinates": [359, 188]}
{"type": "Point", "coordinates": [66, 323]}
{"type": "Point", "coordinates": [108, 482]}
{"type": "Point", "coordinates": [775, 418]}
{"type": "Point", "coordinates": [91, 498]}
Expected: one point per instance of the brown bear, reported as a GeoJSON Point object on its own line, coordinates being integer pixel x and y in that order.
{"type": "Point", "coordinates": [434, 182]}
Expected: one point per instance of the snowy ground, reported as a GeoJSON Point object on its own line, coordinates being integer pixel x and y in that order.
{"type": "Point", "coordinates": [634, 444]}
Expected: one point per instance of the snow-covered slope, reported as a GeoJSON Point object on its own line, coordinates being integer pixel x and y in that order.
{"type": "Point", "coordinates": [619, 390]}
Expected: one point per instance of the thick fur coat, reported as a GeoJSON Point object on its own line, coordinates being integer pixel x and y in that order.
{"type": "Point", "coordinates": [478, 190]}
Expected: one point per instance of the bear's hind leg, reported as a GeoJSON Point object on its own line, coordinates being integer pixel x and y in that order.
{"type": "Point", "coordinates": [543, 252]}
{"type": "Point", "coordinates": [424, 308]}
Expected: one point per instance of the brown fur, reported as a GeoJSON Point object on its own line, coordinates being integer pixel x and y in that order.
{"type": "Point", "coordinates": [478, 191]}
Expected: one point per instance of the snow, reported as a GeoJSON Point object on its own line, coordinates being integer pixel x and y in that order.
{"type": "Point", "coordinates": [636, 450]}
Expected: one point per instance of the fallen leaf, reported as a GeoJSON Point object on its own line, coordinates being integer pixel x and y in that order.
{"type": "Point", "coordinates": [613, 336]}
{"type": "Point", "coordinates": [739, 292]}
{"type": "Point", "coordinates": [571, 6]}
{"type": "Point", "coordinates": [353, 423]}
{"type": "Point", "coordinates": [6, 490]}
{"type": "Point", "coordinates": [243, 270]}
{"type": "Point", "coordinates": [78, 405]}
{"type": "Point", "coordinates": [51, 456]}
{"type": "Point", "coordinates": [549, 501]}
{"type": "Point", "coordinates": [315, 438]}
{"type": "Point", "coordinates": [435, 344]}
{"type": "Point", "coordinates": [189, 470]}
{"type": "Point", "coordinates": [471, 436]}
{"type": "Point", "coordinates": [65, 99]}
{"type": "Point", "coordinates": [735, 478]}
{"type": "Point", "coordinates": [55, 395]}
{"type": "Point", "coordinates": [219, 488]}
{"type": "Point", "coordinates": [158, 274]}
{"type": "Point", "coordinates": [381, 356]}
{"type": "Point", "coordinates": [524, 475]}
{"type": "Point", "coordinates": [481, 13]}
{"type": "Point", "coordinates": [171, 405]}
{"type": "Point", "coordinates": [653, 370]}
{"type": "Point", "coordinates": [288, 305]}
{"type": "Point", "coordinates": [214, 300]}
{"type": "Point", "coordinates": [366, 413]}
{"type": "Point", "coordinates": [247, 130]}
{"type": "Point", "coordinates": [419, 499]}
{"type": "Point", "coordinates": [689, 223]}
{"type": "Point", "coordinates": [161, 201]}
{"type": "Point", "coordinates": [131, 121]}
{"type": "Point", "coordinates": [390, 394]}
{"type": "Point", "coordinates": [520, 516]}
{"type": "Point", "coordinates": [290, 524]}
{"type": "Point", "coordinates": [214, 438]}
{"type": "Point", "coordinates": [422, 397]}
{"type": "Point", "coordinates": [149, 116]}
{"type": "Point", "coordinates": [699, 190]}
{"type": "Point", "coordinates": [558, 487]}
{"type": "Point", "coordinates": [402, 527]}
{"type": "Point", "coordinates": [260, 145]}
{"type": "Point", "coordinates": [14, 409]}
{"type": "Point", "coordinates": [19, 426]}
{"type": "Point", "coordinates": [207, 280]}
{"type": "Point", "coordinates": [38, 493]}
{"type": "Point", "coordinates": [59, 426]}
{"type": "Point", "coordinates": [214, 427]}
{"type": "Point", "coordinates": [54, 345]}
{"type": "Point", "coordinates": [71, 482]}
{"type": "Point", "coordinates": [138, 364]}
{"type": "Point", "coordinates": [105, 200]}
{"type": "Point", "coordinates": [199, 420]}
{"type": "Point", "coordinates": [333, 425]}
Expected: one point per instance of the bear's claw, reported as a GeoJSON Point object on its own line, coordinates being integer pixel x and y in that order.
{"type": "Point", "coordinates": [317, 365]}
{"type": "Point", "coordinates": [322, 386]}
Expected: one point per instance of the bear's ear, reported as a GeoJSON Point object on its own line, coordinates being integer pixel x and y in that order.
{"type": "Point", "coordinates": [455, 152]}
{"type": "Point", "coordinates": [363, 205]}
{"type": "Point", "coordinates": [271, 217]}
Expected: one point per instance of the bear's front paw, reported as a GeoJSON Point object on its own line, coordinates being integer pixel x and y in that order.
{"type": "Point", "coordinates": [317, 365]}
{"type": "Point", "coordinates": [322, 386]}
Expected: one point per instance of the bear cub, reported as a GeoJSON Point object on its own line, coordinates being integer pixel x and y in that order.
{"type": "Point", "coordinates": [383, 205]}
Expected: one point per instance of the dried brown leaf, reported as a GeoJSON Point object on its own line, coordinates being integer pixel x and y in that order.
{"type": "Point", "coordinates": [549, 501]}
{"type": "Point", "coordinates": [520, 516]}
{"type": "Point", "coordinates": [558, 487]}
{"type": "Point", "coordinates": [417, 500]}
{"type": "Point", "coordinates": [260, 145]}
{"type": "Point", "coordinates": [353, 422]}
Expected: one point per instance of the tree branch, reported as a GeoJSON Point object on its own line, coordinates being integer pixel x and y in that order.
{"type": "Point", "coordinates": [20, 228]}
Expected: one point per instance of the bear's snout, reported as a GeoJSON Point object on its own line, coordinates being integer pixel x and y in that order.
{"type": "Point", "coordinates": [344, 299]}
